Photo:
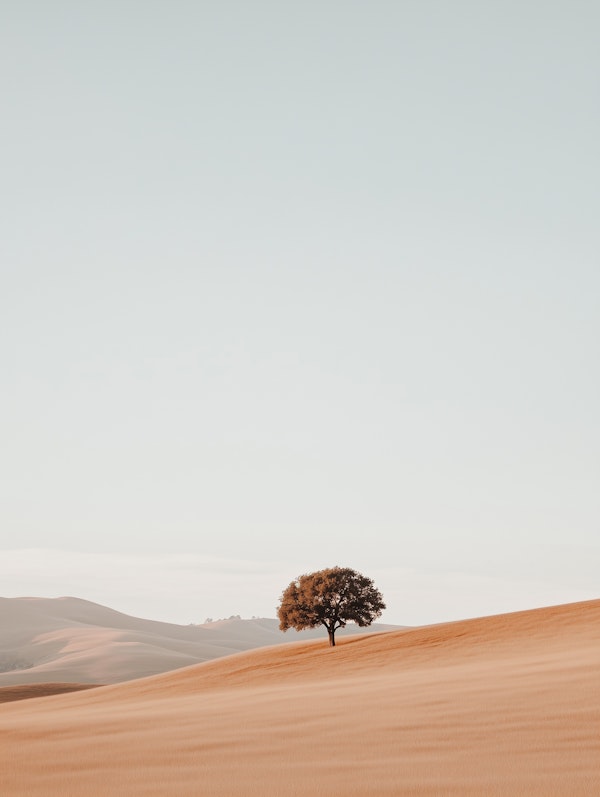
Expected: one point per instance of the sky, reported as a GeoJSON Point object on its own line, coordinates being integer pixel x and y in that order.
{"type": "Point", "coordinates": [288, 286]}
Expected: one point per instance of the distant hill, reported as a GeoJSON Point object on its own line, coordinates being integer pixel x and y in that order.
{"type": "Point", "coordinates": [70, 640]}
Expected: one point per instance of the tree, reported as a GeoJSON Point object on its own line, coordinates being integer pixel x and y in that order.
{"type": "Point", "coordinates": [331, 597]}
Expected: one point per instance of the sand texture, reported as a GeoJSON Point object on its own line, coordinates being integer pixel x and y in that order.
{"type": "Point", "coordinates": [505, 705]}
{"type": "Point", "coordinates": [50, 640]}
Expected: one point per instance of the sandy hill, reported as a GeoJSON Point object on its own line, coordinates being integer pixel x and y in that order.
{"type": "Point", "coordinates": [506, 705]}
{"type": "Point", "coordinates": [72, 640]}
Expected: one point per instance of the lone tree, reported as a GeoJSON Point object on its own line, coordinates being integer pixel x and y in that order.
{"type": "Point", "coordinates": [332, 598]}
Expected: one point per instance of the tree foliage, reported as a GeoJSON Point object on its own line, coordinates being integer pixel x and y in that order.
{"type": "Point", "coordinates": [332, 598]}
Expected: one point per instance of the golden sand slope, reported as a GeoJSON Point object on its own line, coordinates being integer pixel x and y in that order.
{"type": "Point", "coordinates": [506, 705]}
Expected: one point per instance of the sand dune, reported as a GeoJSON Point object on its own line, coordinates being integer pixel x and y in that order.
{"type": "Point", "coordinates": [45, 640]}
{"type": "Point", "coordinates": [506, 705]}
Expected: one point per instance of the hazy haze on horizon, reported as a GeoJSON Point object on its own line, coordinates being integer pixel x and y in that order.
{"type": "Point", "coordinates": [284, 287]}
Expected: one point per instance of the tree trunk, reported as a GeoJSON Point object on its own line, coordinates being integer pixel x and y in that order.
{"type": "Point", "coordinates": [331, 633]}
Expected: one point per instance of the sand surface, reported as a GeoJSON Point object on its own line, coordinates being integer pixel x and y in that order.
{"type": "Point", "coordinates": [506, 705]}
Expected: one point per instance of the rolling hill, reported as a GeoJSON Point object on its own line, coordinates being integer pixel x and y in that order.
{"type": "Point", "coordinates": [45, 640]}
{"type": "Point", "coordinates": [506, 705]}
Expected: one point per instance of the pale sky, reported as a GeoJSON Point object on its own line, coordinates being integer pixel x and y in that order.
{"type": "Point", "coordinates": [291, 285]}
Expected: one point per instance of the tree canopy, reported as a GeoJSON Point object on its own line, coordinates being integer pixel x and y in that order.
{"type": "Point", "coordinates": [332, 598]}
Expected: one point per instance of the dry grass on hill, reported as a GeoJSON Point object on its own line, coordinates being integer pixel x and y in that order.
{"type": "Point", "coordinates": [505, 706]}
